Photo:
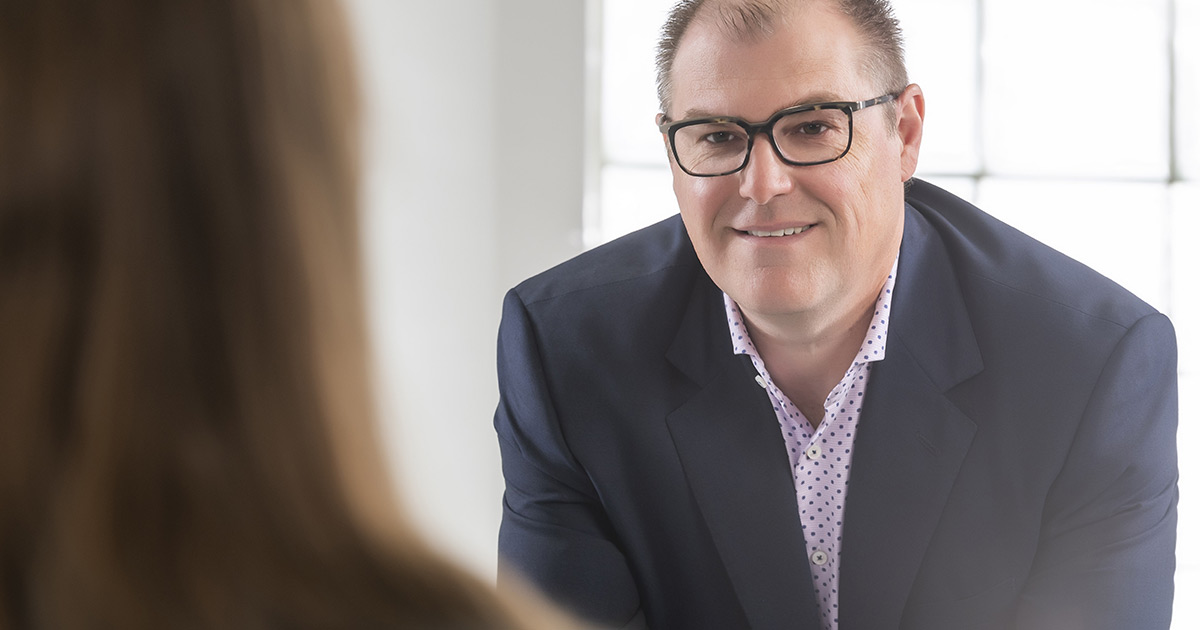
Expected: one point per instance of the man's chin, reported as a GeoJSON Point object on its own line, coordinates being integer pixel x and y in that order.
{"type": "Point", "coordinates": [776, 304]}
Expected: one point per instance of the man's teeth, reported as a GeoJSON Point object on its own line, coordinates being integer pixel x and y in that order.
{"type": "Point", "coordinates": [784, 232]}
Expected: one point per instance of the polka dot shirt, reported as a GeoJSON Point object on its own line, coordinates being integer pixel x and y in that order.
{"type": "Point", "coordinates": [820, 457]}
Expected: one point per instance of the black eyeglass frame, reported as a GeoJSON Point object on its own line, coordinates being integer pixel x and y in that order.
{"type": "Point", "coordinates": [753, 129]}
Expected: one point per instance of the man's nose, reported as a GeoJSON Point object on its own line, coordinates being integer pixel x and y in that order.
{"type": "Point", "coordinates": [765, 175]}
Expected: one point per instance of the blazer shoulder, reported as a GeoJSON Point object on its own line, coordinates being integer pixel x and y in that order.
{"type": "Point", "coordinates": [990, 255]}
{"type": "Point", "coordinates": [653, 251]}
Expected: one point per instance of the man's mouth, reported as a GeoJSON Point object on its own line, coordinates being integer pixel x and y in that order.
{"type": "Point", "coordinates": [783, 232]}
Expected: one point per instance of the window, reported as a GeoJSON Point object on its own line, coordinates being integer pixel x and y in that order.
{"type": "Point", "coordinates": [1064, 118]}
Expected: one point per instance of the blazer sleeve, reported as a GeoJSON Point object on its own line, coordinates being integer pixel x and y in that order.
{"type": "Point", "coordinates": [1106, 556]}
{"type": "Point", "coordinates": [553, 532]}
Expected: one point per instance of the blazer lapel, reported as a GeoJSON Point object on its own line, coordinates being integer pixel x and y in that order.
{"type": "Point", "coordinates": [734, 458]}
{"type": "Point", "coordinates": [911, 439]}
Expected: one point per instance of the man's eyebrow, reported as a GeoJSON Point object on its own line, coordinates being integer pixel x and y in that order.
{"type": "Point", "coordinates": [810, 99]}
{"type": "Point", "coordinates": [702, 113]}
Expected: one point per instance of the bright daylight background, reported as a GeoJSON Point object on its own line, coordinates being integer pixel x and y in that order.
{"type": "Point", "coordinates": [506, 135]}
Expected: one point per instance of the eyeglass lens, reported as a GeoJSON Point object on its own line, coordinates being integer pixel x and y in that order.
{"type": "Point", "coordinates": [811, 136]}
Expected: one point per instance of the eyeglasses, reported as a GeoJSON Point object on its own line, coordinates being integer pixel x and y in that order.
{"type": "Point", "coordinates": [801, 136]}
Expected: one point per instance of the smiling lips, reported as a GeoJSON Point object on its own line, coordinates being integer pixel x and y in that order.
{"type": "Point", "coordinates": [783, 232]}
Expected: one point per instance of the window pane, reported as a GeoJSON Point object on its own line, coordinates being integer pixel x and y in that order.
{"type": "Point", "coordinates": [631, 198]}
{"type": "Point", "coordinates": [1187, 90]}
{"type": "Point", "coordinates": [940, 42]}
{"type": "Point", "coordinates": [1115, 228]}
{"type": "Point", "coordinates": [1185, 264]}
{"type": "Point", "coordinates": [1076, 88]}
{"type": "Point", "coordinates": [628, 98]}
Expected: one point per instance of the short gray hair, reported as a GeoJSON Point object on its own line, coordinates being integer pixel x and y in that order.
{"type": "Point", "coordinates": [750, 19]}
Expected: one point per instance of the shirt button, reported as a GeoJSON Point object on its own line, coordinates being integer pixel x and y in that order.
{"type": "Point", "coordinates": [819, 558]}
{"type": "Point", "coordinates": [761, 381]}
{"type": "Point", "coordinates": [813, 452]}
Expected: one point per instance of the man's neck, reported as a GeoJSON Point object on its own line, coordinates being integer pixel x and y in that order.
{"type": "Point", "coordinates": [806, 355]}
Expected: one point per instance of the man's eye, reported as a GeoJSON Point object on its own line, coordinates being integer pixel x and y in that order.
{"type": "Point", "coordinates": [719, 137]}
{"type": "Point", "coordinates": [811, 129]}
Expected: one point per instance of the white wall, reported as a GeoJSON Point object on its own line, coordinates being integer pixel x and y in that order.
{"type": "Point", "coordinates": [473, 181]}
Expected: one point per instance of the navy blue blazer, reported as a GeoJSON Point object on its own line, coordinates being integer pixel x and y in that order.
{"type": "Point", "coordinates": [1015, 463]}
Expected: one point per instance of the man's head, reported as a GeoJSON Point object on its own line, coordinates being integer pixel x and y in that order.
{"type": "Point", "coordinates": [841, 220]}
{"type": "Point", "coordinates": [883, 57]}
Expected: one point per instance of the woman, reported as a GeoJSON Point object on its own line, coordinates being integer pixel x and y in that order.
{"type": "Point", "coordinates": [185, 427]}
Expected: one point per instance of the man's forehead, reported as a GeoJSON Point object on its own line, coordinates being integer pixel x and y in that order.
{"type": "Point", "coordinates": [811, 58]}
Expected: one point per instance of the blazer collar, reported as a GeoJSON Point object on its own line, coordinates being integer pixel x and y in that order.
{"type": "Point", "coordinates": [911, 442]}
{"type": "Point", "coordinates": [733, 456]}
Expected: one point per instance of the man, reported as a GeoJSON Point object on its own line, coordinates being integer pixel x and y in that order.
{"type": "Point", "coordinates": [827, 395]}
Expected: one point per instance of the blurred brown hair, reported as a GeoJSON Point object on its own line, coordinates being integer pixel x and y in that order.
{"type": "Point", "coordinates": [185, 426]}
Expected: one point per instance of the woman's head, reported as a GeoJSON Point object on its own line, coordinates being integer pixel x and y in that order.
{"type": "Point", "coordinates": [186, 431]}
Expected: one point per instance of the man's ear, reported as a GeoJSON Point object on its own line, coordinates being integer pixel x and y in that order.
{"type": "Point", "coordinates": [910, 110]}
{"type": "Point", "coordinates": [658, 121]}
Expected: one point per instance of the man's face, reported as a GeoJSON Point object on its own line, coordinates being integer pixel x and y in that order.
{"type": "Point", "coordinates": [852, 210]}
